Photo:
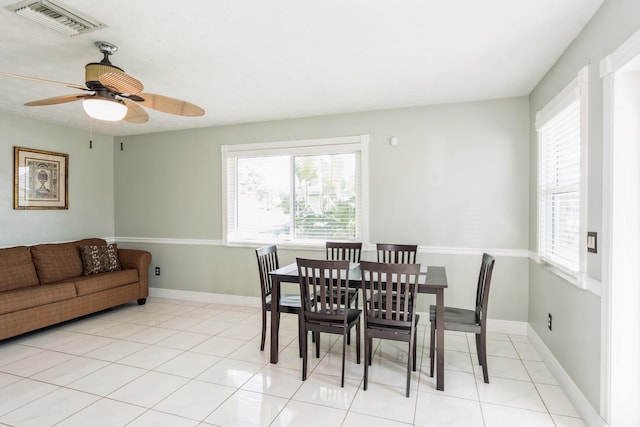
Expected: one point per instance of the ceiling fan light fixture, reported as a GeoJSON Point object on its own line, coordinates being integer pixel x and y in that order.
{"type": "Point", "coordinates": [105, 109]}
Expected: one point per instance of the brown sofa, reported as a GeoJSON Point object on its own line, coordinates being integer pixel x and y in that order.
{"type": "Point", "coordinates": [45, 284]}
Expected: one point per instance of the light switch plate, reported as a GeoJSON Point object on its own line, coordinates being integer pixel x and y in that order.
{"type": "Point", "coordinates": [592, 242]}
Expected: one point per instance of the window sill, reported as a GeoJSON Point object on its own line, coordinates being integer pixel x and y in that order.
{"type": "Point", "coordinates": [581, 281]}
{"type": "Point", "coordinates": [280, 245]}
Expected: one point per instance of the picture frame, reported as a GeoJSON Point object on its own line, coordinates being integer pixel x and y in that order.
{"type": "Point", "coordinates": [40, 179]}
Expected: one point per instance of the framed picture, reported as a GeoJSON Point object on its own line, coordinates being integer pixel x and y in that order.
{"type": "Point", "coordinates": [40, 179]}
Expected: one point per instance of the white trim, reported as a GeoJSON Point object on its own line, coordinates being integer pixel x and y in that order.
{"type": "Point", "coordinates": [450, 250]}
{"type": "Point", "coordinates": [566, 96]}
{"type": "Point", "coordinates": [589, 415]}
{"type": "Point", "coordinates": [493, 325]}
{"type": "Point", "coordinates": [364, 187]}
{"type": "Point", "coordinates": [576, 90]}
{"type": "Point", "coordinates": [588, 283]}
{"type": "Point", "coordinates": [169, 241]}
{"type": "Point", "coordinates": [583, 81]}
{"type": "Point", "coordinates": [605, 242]}
{"type": "Point", "coordinates": [511, 327]}
{"type": "Point", "coordinates": [625, 53]}
{"type": "Point", "coordinates": [263, 147]}
{"type": "Point", "coordinates": [206, 297]}
{"type": "Point", "coordinates": [441, 250]}
{"type": "Point", "coordinates": [333, 145]}
{"type": "Point", "coordinates": [497, 326]}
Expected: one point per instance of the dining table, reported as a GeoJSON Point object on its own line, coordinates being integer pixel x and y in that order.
{"type": "Point", "coordinates": [431, 281]}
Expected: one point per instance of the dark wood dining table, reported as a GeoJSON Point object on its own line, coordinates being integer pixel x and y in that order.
{"type": "Point", "coordinates": [433, 281]}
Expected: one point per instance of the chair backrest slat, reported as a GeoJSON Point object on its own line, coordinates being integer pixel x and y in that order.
{"type": "Point", "coordinates": [267, 261]}
{"type": "Point", "coordinates": [396, 254]}
{"type": "Point", "coordinates": [324, 286]}
{"type": "Point", "coordinates": [390, 292]}
{"type": "Point", "coordinates": [350, 251]}
{"type": "Point", "coordinates": [484, 283]}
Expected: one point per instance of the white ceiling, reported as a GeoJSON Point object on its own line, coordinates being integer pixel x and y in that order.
{"type": "Point", "coordinates": [257, 60]}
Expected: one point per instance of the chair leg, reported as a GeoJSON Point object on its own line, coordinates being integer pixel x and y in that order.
{"type": "Point", "coordinates": [300, 331]}
{"type": "Point", "coordinates": [415, 350]}
{"type": "Point", "coordinates": [317, 335]}
{"type": "Point", "coordinates": [358, 342]}
{"type": "Point", "coordinates": [304, 353]}
{"type": "Point", "coordinates": [344, 350]}
{"type": "Point", "coordinates": [367, 358]}
{"type": "Point", "coordinates": [264, 329]}
{"type": "Point", "coordinates": [432, 346]}
{"type": "Point", "coordinates": [482, 355]}
{"type": "Point", "coordinates": [370, 351]}
{"type": "Point", "coordinates": [478, 348]}
{"type": "Point", "coordinates": [356, 307]}
{"type": "Point", "coordinates": [409, 363]}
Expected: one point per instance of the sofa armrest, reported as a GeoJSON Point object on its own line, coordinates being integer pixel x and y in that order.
{"type": "Point", "coordinates": [140, 260]}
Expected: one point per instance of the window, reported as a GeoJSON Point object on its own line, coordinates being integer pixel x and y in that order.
{"type": "Point", "coordinates": [301, 192]}
{"type": "Point", "coordinates": [561, 128]}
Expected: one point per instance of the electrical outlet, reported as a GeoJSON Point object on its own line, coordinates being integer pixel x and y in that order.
{"type": "Point", "coordinates": [550, 322]}
{"type": "Point", "coordinates": [157, 271]}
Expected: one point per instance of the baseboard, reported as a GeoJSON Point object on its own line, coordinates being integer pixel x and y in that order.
{"type": "Point", "coordinates": [507, 327]}
{"type": "Point", "coordinates": [582, 405]}
{"type": "Point", "coordinates": [493, 325]}
{"type": "Point", "coordinates": [207, 297]}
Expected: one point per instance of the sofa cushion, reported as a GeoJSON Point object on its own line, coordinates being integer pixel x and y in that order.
{"type": "Point", "coordinates": [35, 296]}
{"type": "Point", "coordinates": [101, 281]}
{"type": "Point", "coordinates": [17, 269]}
{"type": "Point", "coordinates": [99, 259]}
{"type": "Point", "coordinates": [56, 262]}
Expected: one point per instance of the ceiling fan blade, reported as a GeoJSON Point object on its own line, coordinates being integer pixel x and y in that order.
{"type": "Point", "coordinates": [135, 113]}
{"type": "Point", "coordinates": [57, 100]}
{"type": "Point", "coordinates": [53, 82]}
{"type": "Point", "coordinates": [170, 105]}
{"type": "Point", "coordinates": [121, 83]}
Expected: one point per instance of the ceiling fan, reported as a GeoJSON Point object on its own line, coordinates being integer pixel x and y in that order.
{"type": "Point", "coordinates": [112, 94]}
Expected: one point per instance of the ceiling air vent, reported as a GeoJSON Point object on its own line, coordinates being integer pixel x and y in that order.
{"type": "Point", "coordinates": [56, 16]}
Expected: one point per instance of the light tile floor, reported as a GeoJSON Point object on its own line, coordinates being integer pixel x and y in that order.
{"type": "Point", "coordinates": [183, 363]}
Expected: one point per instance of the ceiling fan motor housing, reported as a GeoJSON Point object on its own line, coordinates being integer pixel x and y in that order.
{"type": "Point", "coordinates": [94, 70]}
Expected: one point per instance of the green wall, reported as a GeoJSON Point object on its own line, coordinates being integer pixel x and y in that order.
{"type": "Point", "coordinates": [91, 199]}
{"type": "Point", "coordinates": [576, 336]}
{"type": "Point", "coordinates": [456, 183]}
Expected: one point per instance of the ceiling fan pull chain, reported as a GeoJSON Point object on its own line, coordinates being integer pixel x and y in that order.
{"type": "Point", "coordinates": [121, 144]}
{"type": "Point", "coordinates": [90, 132]}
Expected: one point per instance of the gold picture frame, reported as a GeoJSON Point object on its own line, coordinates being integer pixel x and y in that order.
{"type": "Point", "coordinates": [40, 179]}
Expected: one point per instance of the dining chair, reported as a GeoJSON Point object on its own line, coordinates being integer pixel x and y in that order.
{"type": "Point", "coordinates": [388, 317]}
{"type": "Point", "coordinates": [396, 254]}
{"type": "Point", "coordinates": [466, 320]}
{"type": "Point", "coordinates": [319, 281]}
{"type": "Point", "coordinates": [289, 303]}
{"type": "Point", "coordinates": [349, 251]}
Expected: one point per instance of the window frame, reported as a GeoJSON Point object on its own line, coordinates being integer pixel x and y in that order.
{"type": "Point", "coordinates": [331, 145]}
{"type": "Point", "coordinates": [576, 90]}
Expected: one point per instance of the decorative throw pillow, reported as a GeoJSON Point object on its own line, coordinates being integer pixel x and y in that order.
{"type": "Point", "coordinates": [99, 258]}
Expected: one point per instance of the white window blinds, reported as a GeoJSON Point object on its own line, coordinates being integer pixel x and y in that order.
{"type": "Point", "coordinates": [560, 179]}
{"type": "Point", "coordinates": [298, 191]}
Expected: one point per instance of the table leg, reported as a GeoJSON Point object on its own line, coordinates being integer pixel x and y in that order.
{"type": "Point", "coordinates": [275, 318]}
{"type": "Point", "coordinates": [440, 339]}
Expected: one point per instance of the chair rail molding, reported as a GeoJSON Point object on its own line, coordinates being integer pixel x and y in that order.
{"type": "Point", "coordinates": [369, 247]}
